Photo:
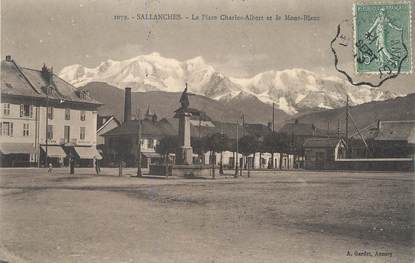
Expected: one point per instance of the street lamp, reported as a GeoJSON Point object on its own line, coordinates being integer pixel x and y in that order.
{"type": "Point", "coordinates": [47, 124]}
{"type": "Point", "coordinates": [237, 149]}
{"type": "Point", "coordinates": [139, 173]}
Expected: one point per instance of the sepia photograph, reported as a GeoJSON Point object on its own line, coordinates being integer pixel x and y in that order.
{"type": "Point", "coordinates": [207, 131]}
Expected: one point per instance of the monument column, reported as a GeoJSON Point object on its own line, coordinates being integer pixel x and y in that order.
{"type": "Point", "coordinates": [184, 153]}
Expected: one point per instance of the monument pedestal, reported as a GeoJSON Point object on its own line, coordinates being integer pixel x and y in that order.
{"type": "Point", "coordinates": [184, 155]}
{"type": "Point", "coordinates": [191, 171]}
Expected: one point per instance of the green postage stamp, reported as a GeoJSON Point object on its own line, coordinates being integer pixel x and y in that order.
{"type": "Point", "coordinates": [382, 35]}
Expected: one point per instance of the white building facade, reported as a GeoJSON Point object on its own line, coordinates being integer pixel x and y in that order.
{"type": "Point", "coordinates": [44, 119]}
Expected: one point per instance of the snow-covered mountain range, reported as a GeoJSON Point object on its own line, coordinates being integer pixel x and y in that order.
{"type": "Point", "coordinates": [292, 90]}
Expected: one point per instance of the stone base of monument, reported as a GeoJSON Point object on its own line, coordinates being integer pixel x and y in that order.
{"type": "Point", "coordinates": [184, 155]}
{"type": "Point", "coordinates": [191, 171]}
{"type": "Point", "coordinates": [159, 169]}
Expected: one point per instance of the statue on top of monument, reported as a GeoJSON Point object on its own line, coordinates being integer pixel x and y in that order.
{"type": "Point", "coordinates": [184, 99]}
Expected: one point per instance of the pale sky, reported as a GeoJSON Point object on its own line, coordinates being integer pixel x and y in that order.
{"type": "Point", "coordinates": [65, 32]}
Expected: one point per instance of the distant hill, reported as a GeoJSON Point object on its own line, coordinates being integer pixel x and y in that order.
{"type": "Point", "coordinates": [165, 103]}
{"type": "Point", "coordinates": [400, 108]}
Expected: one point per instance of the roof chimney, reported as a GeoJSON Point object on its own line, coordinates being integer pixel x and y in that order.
{"type": "Point", "coordinates": [8, 58]}
{"type": "Point", "coordinates": [127, 105]}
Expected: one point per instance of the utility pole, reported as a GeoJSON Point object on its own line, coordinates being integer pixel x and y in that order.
{"type": "Point", "coordinates": [200, 123]}
{"type": "Point", "coordinates": [273, 130]}
{"type": "Point", "coordinates": [328, 129]}
{"type": "Point", "coordinates": [139, 173]}
{"type": "Point", "coordinates": [243, 135]}
{"type": "Point", "coordinates": [237, 149]}
{"type": "Point", "coordinates": [37, 131]}
{"type": "Point", "coordinates": [338, 129]}
{"type": "Point", "coordinates": [243, 125]}
{"type": "Point", "coordinates": [292, 146]}
{"type": "Point", "coordinates": [200, 152]}
{"type": "Point", "coordinates": [347, 126]}
{"type": "Point", "coordinates": [273, 116]}
{"type": "Point", "coordinates": [47, 124]}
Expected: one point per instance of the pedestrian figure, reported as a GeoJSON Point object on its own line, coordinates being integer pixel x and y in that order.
{"type": "Point", "coordinates": [50, 169]}
{"type": "Point", "coordinates": [97, 168]}
{"type": "Point", "coordinates": [72, 165]}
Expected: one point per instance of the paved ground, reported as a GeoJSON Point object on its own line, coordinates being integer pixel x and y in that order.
{"type": "Point", "coordinates": [270, 217]}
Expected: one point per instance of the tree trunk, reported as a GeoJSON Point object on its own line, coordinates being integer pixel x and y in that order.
{"type": "Point", "coordinates": [281, 156]}
{"type": "Point", "coordinates": [166, 165]}
{"type": "Point", "coordinates": [236, 165]}
{"type": "Point", "coordinates": [248, 164]}
{"type": "Point", "coordinates": [241, 166]}
{"type": "Point", "coordinates": [213, 154]}
{"type": "Point", "coordinates": [120, 168]}
{"type": "Point", "coordinates": [272, 160]}
{"type": "Point", "coordinates": [221, 164]}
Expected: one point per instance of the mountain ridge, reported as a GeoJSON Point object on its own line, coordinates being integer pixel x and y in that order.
{"type": "Point", "coordinates": [292, 90]}
{"type": "Point", "coordinates": [399, 108]}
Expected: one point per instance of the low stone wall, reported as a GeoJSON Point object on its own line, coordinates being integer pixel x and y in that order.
{"type": "Point", "coordinates": [191, 170]}
{"type": "Point", "coordinates": [194, 170]}
{"type": "Point", "coordinates": [375, 165]}
{"type": "Point", "coordinates": [159, 169]}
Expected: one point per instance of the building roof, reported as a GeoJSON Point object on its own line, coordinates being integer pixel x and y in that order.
{"type": "Point", "coordinates": [389, 131]}
{"type": "Point", "coordinates": [150, 128]}
{"type": "Point", "coordinates": [103, 121]}
{"type": "Point", "coordinates": [20, 81]}
{"type": "Point", "coordinates": [302, 129]}
{"type": "Point", "coordinates": [397, 131]}
{"type": "Point", "coordinates": [321, 142]}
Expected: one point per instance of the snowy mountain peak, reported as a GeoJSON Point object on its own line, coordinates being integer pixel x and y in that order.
{"type": "Point", "coordinates": [292, 90]}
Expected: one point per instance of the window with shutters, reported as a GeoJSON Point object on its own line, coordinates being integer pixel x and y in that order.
{"type": "Point", "coordinates": [49, 132]}
{"type": "Point", "coordinates": [67, 133]}
{"type": "Point", "coordinates": [67, 114]}
{"type": "Point", "coordinates": [82, 133]}
{"type": "Point", "coordinates": [7, 129]}
{"type": "Point", "coordinates": [6, 109]}
{"type": "Point", "coordinates": [50, 113]}
{"type": "Point", "coordinates": [26, 129]}
{"type": "Point", "coordinates": [83, 115]}
{"type": "Point", "coordinates": [26, 110]}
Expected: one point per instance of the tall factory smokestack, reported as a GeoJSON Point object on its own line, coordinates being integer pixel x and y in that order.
{"type": "Point", "coordinates": [127, 105]}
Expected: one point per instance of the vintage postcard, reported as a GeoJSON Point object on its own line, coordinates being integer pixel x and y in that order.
{"type": "Point", "coordinates": [207, 131]}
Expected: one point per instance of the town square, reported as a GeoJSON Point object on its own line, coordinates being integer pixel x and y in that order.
{"type": "Point", "coordinates": [216, 132]}
{"type": "Point", "coordinates": [294, 216]}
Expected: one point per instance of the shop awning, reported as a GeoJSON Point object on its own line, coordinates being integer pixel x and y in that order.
{"type": "Point", "coordinates": [88, 153]}
{"type": "Point", "coordinates": [17, 148]}
{"type": "Point", "coordinates": [54, 151]}
{"type": "Point", "coordinates": [151, 155]}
